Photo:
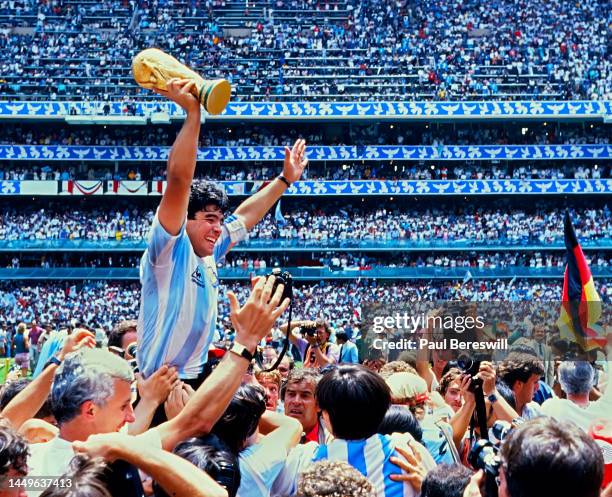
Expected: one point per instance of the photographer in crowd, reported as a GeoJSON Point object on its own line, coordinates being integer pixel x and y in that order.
{"type": "Point", "coordinates": [314, 345]}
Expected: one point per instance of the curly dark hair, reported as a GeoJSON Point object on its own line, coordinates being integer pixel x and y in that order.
{"type": "Point", "coordinates": [333, 479]}
{"type": "Point", "coordinates": [120, 329]}
{"type": "Point", "coordinates": [451, 375]}
{"type": "Point", "coordinates": [205, 193]}
{"type": "Point", "coordinates": [519, 367]}
{"type": "Point", "coordinates": [14, 451]}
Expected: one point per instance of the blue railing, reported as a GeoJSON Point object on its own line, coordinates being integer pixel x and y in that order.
{"type": "Point", "coordinates": [326, 110]}
{"type": "Point", "coordinates": [277, 245]}
{"type": "Point", "coordinates": [310, 273]}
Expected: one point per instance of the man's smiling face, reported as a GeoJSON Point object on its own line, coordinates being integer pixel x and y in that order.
{"type": "Point", "coordinates": [205, 230]}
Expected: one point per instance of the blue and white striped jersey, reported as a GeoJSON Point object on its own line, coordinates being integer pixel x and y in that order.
{"type": "Point", "coordinates": [178, 309]}
{"type": "Point", "coordinates": [259, 466]}
{"type": "Point", "coordinates": [371, 457]}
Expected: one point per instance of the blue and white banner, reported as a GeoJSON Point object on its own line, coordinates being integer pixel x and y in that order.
{"type": "Point", "coordinates": [327, 110]}
{"type": "Point", "coordinates": [10, 187]}
{"type": "Point", "coordinates": [338, 153]}
{"type": "Point", "coordinates": [326, 188]}
{"type": "Point", "coordinates": [458, 187]}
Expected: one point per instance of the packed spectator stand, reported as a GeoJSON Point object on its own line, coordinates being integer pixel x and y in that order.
{"type": "Point", "coordinates": [311, 50]}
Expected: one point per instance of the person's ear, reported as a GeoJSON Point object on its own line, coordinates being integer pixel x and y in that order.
{"type": "Point", "coordinates": [88, 410]}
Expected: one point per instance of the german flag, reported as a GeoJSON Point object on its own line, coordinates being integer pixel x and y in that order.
{"type": "Point", "coordinates": [580, 303]}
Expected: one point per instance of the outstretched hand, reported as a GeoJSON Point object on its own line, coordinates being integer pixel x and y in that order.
{"type": "Point", "coordinates": [255, 318]}
{"type": "Point", "coordinates": [295, 161]}
{"type": "Point", "coordinates": [78, 339]}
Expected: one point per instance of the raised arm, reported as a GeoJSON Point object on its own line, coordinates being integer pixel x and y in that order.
{"type": "Point", "coordinates": [253, 209]}
{"type": "Point", "coordinates": [28, 402]}
{"type": "Point", "coordinates": [176, 475]}
{"type": "Point", "coordinates": [182, 158]}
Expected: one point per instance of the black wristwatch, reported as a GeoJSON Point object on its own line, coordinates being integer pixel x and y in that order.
{"type": "Point", "coordinates": [242, 351]}
{"type": "Point", "coordinates": [284, 180]}
{"type": "Point", "coordinates": [53, 360]}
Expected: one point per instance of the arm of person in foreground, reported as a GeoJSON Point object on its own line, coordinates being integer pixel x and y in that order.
{"type": "Point", "coordinates": [461, 419]}
{"type": "Point", "coordinates": [175, 475]}
{"type": "Point", "coordinates": [28, 402]}
{"type": "Point", "coordinates": [253, 209]}
{"type": "Point", "coordinates": [281, 432]}
{"type": "Point", "coordinates": [252, 322]}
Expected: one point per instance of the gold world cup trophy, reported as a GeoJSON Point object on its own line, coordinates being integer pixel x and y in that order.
{"type": "Point", "coordinates": [153, 68]}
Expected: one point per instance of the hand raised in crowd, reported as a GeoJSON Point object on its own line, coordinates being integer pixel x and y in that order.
{"type": "Point", "coordinates": [78, 339]}
{"type": "Point", "coordinates": [179, 91]}
{"type": "Point", "coordinates": [474, 486]}
{"type": "Point", "coordinates": [255, 318]}
{"type": "Point", "coordinates": [412, 465]}
{"type": "Point", "coordinates": [466, 393]}
{"type": "Point", "coordinates": [157, 387]}
{"type": "Point", "coordinates": [178, 397]}
{"type": "Point", "coordinates": [487, 374]}
{"type": "Point", "coordinates": [295, 161]}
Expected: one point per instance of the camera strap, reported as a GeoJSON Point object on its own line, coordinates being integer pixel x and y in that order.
{"type": "Point", "coordinates": [285, 346]}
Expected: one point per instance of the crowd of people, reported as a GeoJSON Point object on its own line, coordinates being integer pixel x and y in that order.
{"type": "Point", "coordinates": [287, 426]}
{"type": "Point", "coordinates": [373, 134]}
{"type": "Point", "coordinates": [375, 50]}
{"type": "Point", "coordinates": [330, 260]}
{"type": "Point", "coordinates": [321, 171]}
{"type": "Point", "coordinates": [176, 386]}
{"type": "Point", "coordinates": [322, 223]}
{"type": "Point", "coordinates": [103, 303]}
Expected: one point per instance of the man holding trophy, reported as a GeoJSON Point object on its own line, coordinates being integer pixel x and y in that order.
{"type": "Point", "coordinates": [190, 232]}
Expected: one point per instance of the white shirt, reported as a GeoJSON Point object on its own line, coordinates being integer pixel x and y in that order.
{"type": "Point", "coordinates": [52, 458]}
{"type": "Point", "coordinates": [583, 417]}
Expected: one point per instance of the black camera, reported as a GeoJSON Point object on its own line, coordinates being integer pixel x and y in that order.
{"type": "Point", "coordinates": [469, 365]}
{"type": "Point", "coordinates": [310, 330]}
{"type": "Point", "coordinates": [484, 455]}
{"type": "Point", "coordinates": [283, 278]}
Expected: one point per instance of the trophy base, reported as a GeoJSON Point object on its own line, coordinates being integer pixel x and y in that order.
{"type": "Point", "coordinates": [215, 96]}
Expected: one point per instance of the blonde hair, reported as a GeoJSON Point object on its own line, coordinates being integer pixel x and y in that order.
{"type": "Point", "coordinates": [333, 479]}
